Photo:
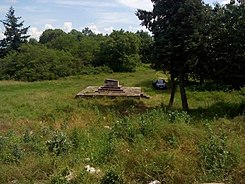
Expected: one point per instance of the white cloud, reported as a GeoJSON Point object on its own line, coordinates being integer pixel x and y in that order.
{"type": "Point", "coordinates": [137, 4]}
{"type": "Point", "coordinates": [225, 2]}
{"type": "Point", "coordinates": [114, 18]}
{"type": "Point", "coordinates": [108, 30]}
{"type": "Point", "coordinates": [12, 1]}
{"type": "Point", "coordinates": [67, 26]}
{"type": "Point", "coordinates": [85, 3]}
{"type": "Point", "coordinates": [48, 26]}
{"type": "Point", "coordinates": [94, 28]}
{"type": "Point", "coordinates": [34, 33]}
{"type": "Point", "coordinates": [139, 28]}
{"type": "Point", "coordinates": [1, 36]}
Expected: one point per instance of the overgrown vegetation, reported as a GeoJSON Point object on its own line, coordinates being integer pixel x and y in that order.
{"type": "Point", "coordinates": [48, 136]}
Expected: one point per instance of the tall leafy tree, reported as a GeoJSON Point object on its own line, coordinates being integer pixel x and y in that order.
{"type": "Point", "coordinates": [50, 34]}
{"type": "Point", "coordinates": [146, 42]}
{"type": "Point", "coordinates": [15, 34]}
{"type": "Point", "coordinates": [202, 47]}
{"type": "Point", "coordinates": [120, 51]}
{"type": "Point", "coordinates": [228, 39]}
{"type": "Point", "coordinates": [173, 23]}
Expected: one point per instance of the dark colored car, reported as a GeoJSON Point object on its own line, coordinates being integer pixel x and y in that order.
{"type": "Point", "coordinates": [159, 84]}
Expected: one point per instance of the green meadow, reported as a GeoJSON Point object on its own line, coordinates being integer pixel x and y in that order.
{"type": "Point", "coordinates": [48, 136]}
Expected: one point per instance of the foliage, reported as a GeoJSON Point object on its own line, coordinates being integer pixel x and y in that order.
{"type": "Point", "coordinates": [217, 160]}
{"type": "Point", "coordinates": [228, 44]}
{"type": "Point", "coordinates": [120, 51]}
{"type": "Point", "coordinates": [49, 35]}
{"type": "Point", "coordinates": [146, 44]}
{"type": "Point", "coordinates": [59, 143]}
{"type": "Point", "coordinates": [140, 141]}
{"type": "Point", "coordinates": [11, 151]}
{"type": "Point", "coordinates": [172, 24]}
{"type": "Point", "coordinates": [36, 62]}
{"type": "Point", "coordinates": [111, 177]}
{"type": "Point", "coordinates": [178, 117]}
{"type": "Point", "coordinates": [15, 33]}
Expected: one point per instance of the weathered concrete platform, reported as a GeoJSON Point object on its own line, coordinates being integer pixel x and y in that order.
{"type": "Point", "coordinates": [112, 89]}
{"type": "Point", "coordinates": [92, 91]}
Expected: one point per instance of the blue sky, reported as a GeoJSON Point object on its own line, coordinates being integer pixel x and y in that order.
{"type": "Point", "coordinates": [101, 16]}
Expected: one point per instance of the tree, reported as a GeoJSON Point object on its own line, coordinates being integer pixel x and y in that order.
{"type": "Point", "coordinates": [173, 23]}
{"type": "Point", "coordinates": [88, 32]}
{"type": "Point", "coordinates": [201, 48]}
{"type": "Point", "coordinates": [15, 33]}
{"type": "Point", "coordinates": [120, 51]}
{"type": "Point", "coordinates": [229, 44]}
{"type": "Point", "coordinates": [146, 42]}
{"type": "Point", "coordinates": [36, 62]}
{"type": "Point", "coordinates": [50, 34]}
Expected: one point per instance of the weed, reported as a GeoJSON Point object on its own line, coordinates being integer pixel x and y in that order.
{"type": "Point", "coordinates": [146, 126]}
{"type": "Point", "coordinates": [179, 117]}
{"type": "Point", "coordinates": [11, 151]}
{"type": "Point", "coordinates": [59, 144]}
{"type": "Point", "coordinates": [217, 160]}
{"type": "Point", "coordinates": [124, 129]}
{"type": "Point", "coordinates": [111, 177]}
{"type": "Point", "coordinates": [172, 140]}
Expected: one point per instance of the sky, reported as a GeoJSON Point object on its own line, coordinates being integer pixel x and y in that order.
{"type": "Point", "coordinates": [101, 16]}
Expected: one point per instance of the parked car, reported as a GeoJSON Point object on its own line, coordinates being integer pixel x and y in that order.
{"type": "Point", "coordinates": [159, 84]}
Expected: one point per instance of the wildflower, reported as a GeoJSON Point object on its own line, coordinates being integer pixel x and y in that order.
{"type": "Point", "coordinates": [70, 176]}
{"type": "Point", "coordinates": [90, 169]}
{"type": "Point", "coordinates": [107, 127]}
{"type": "Point", "coordinates": [155, 182]}
{"type": "Point", "coordinates": [87, 159]}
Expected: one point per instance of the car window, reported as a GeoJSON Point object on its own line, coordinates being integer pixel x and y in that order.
{"type": "Point", "coordinates": [160, 81]}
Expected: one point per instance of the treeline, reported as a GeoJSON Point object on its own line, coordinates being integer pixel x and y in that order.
{"type": "Point", "coordinates": [189, 39]}
{"type": "Point", "coordinates": [59, 54]}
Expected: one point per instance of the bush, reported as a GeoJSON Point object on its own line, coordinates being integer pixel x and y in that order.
{"type": "Point", "coordinates": [10, 148]}
{"type": "Point", "coordinates": [217, 160]}
{"type": "Point", "coordinates": [59, 144]}
{"type": "Point", "coordinates": [36, 62]}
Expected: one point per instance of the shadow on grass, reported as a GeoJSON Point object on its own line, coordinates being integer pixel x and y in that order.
{"type": "Point", "coordinates": [209, 86]}
{"type": "Point", "coordinates": [123, 107]}
{"type": "Point", "coordinates": [219, 110]}
{"type": "Point", "coordinates": [131, 106]}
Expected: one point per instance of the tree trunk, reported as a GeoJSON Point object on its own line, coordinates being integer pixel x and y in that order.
{"type": "Point", "coordinates": [182, 90]}
{"type": "Point", "coordinates": [172, 86]}
{"type": "Point", "coordinates": [201, 79]}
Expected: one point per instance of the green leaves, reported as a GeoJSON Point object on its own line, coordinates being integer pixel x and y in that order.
{"type": "Point", "coordinates": [120, 51]}
{"type": "Point", "coordinates": [15, 33]}
{"type": "Point", "coordinates": [37, 62]}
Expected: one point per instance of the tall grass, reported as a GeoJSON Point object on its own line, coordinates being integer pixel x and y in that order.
{"type": "Point", "coordinates": [47, 136]}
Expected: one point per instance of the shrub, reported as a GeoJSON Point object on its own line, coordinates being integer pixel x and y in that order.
{"type": "Point", "coordinates": [124, 129]}
{"type": "Point", "coordinates": [36, 62]}
{"type": "Point", "coordinates": [59, 143]}
{"type": "Point", "coordinates": [10, 148]}
{"type": "Point", "coordinates": [217, 160]}
{"type": "Point", "coordinates": [179, 117]}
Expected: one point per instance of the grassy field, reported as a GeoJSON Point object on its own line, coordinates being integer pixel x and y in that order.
{"type": "Point", "coordinates": [48, 136]}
